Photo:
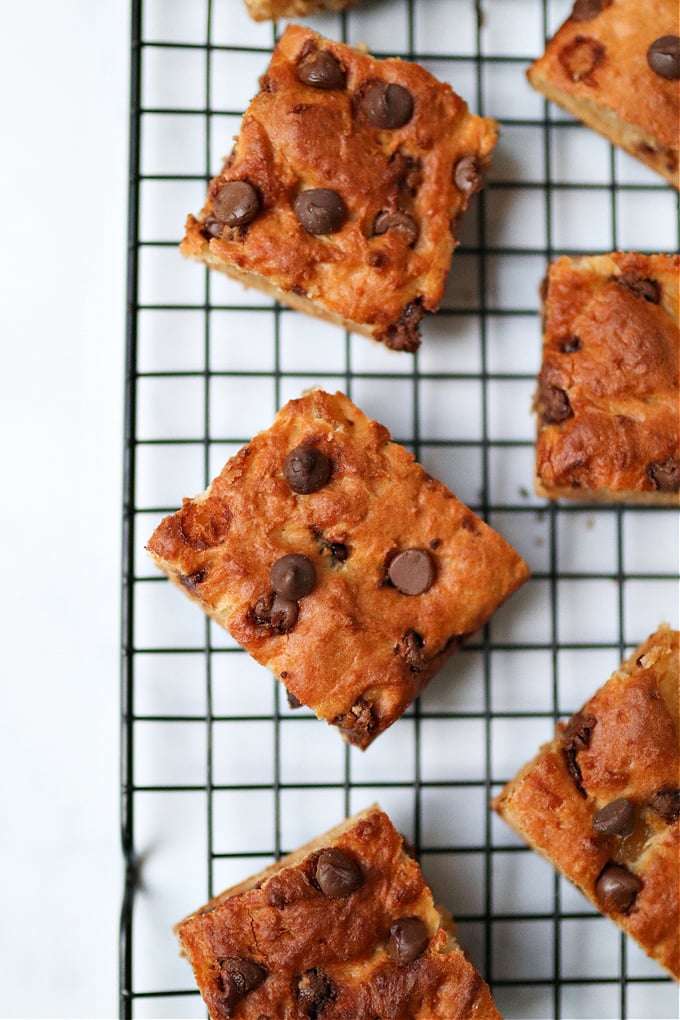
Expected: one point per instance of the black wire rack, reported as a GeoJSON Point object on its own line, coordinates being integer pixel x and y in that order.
{"type": "Point", "coordinates": [219, 777]}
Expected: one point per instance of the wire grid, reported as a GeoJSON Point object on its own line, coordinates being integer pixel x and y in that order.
{"type": "Point", "coordinates": [219, 776]}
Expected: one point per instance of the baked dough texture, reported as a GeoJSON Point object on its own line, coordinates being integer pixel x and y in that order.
{"type": "Point", "coordinates": [596, 67]}
{"type": "Point", "coordinates": [333, 956]}
{"type": "Point", "coordinates": [608, 398]}
{"type": "Point", "coordinates": [357, 649]}
{"type": "Point", "coordinates": [602, 801]}
{"type": "Point", "coordinates": [262, 10]}
{"type": "Point", "coordinates": [403, 188]}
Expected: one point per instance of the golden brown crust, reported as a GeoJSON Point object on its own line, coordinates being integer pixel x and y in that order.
{"type": "Point", "coordinates": [360, 651]}
{"type": "Point", "coordinates": [263, 10]}
{"type": "Point", "coordinates": [627, 748]}
{"type": "Point", "coordinates": [303, 939]}
{"type": "Point", "coordinates": [608, 396]}
{"type": "Point", "coordinates": [374, 284]}
{"type": "Point", "coordinates": [597, 69]}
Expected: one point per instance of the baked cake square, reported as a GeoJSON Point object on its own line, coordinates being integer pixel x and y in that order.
{"type": "Point", "coordinates": [608, 399]}
{"type": "Point", "coordinates": [341, 195]}
{"type": "Point", "coordinates": [344, 927]}
{"type": "Point", "coordinates": [261, 10]}
{"type": "Point", "coordinates": [615, 65]}
{"type": "Point", "coordinates": [334, 559]}
{"type": "Point", "coordinates": [602, 801]}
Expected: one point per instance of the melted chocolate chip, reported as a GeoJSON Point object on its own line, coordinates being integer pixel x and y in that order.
{"type": "Point", "coordinates": [586, 10]}
{"type": "Point", "coordinates": [640, 286]}
{"type": "Point", "coordinates": [570, 345]}
{"type": "Point", "coordinates": [237, 978]}
{"type": "Point", "coordinates": [212, 227]}
{"type": "Point", "coordinates": [399, 221]}
{"type": "Point", "coordinates": [320, 210]}
{"type": "Point", "coordinates": [358, 724]}
{"type": "Point", "coordinates": [321, 70]}
{"type": "Point", "coordinates": [616, 818]}
{"type": "Point", "coordinates": [467, 176]}
{"type": "Point", "coordinates": [387, 105]}
{"type": "Point", "coordinates": [667, 804]}
{"type": "Point", "coordinates": [306, 469]}
{"type": "Point", "coordinates": [314, 990]}
{"type": "Point", "coordinates": [293, 576]}
{"type": "Point", "coordinates": [408, 940]}
{"type": "Point", "coordinates": [275, 612]}
{"type": "Point", "coordinates": [404, 334]}
{"type": "Point", "coordinates": [553, 405]}
{"type": "Point", "coordinates": [337, 874]}
{"type": "Point", "coordinates": [581, 56]}
{"type": "Point", "coordinates": [236, 204]}
{"type": "Point", "coordinates": [617, 888]}
{"type": "Point", "coordinates": [412, 572]}
{"type": "Point", "coordinates": [339, 553]}
{"type": "Point", "coordinates": [665, 474]}
{"type": "Point", "coordinates": [189, 581]}
{"type": "Point", "coordinates": [576, 737]}
{"type": "Point", "coordinates": [663, 56]}
{"type": "Point", "coordinates": [293, 702]}
{"type": "Point", "coordinates": [412, 651]}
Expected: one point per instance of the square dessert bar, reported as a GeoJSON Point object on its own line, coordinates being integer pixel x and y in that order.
{"type": "Point", "coordinates": [344, 927]}
{"type": "Point", "coordinates": [343, 190]}
{"type": "Point", "coordinates": [615, 64]}
{"type": "Point", "coordinates": [608, 399]}
{"type": "Point", "coordinates": [602, 801]}
{"type": "Point", "coordinates": [261, 10]}
{"type": "Point", "coordinates": [334, 559]}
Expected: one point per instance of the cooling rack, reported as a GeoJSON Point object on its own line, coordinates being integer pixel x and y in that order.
{"type": "Point", "coordinates": [219, 776]}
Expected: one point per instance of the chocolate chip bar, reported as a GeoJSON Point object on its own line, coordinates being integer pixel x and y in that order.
{"type": "Point", "coordinates": [262, 10]}
{"type": "Point", "coordinates": [608, 398]}
{"type": "Point", "coordinates": [615, 64]}
{"type": "Point", "coordinates": [343, 190]}
{"type": "Point", "coordinates": [602, 801]}
{"type": "Point", "coordinates": [343, 927]}
{"type": "Point", "coordinates": [335, 560]}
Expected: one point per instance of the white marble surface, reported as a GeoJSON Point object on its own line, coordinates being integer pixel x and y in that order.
{"type": "Point", "coordinates": [63, 81]}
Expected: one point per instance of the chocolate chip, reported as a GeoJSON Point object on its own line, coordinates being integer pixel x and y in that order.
{"type": "Point", "coordinates": [321, 70]}
{"type": "Point", "coordinates": [293, 576]}
{"type": "Point", "coordinates": [400, 221]}
{"type": "Point", "coordinates": [553, 405]}
{"type": "Point", "coordinates": [665, 474]}
{"type": "Point", "coordinates": [237, 978]}
{"type": "Point", "coordinates": [404, 334]}
{"type": "Point", "coordinates": [275, 612]}
{"type": "Point", "coordinates": [339, 553]}
{"type": "Point", "coordinates": [408, 940]}
{"type": "Point", "coordinates": [212, 227]}
{"type": "Point", "coordinates": [306, 469]}
{"type": "Point", "coordinates": [581, 56]}
{"type": "Point", "coordinates": [467, 176]}
{"type": "Point", "coordinates": [337, 874]}
{"type": "Point", "coordinates": [663, 56]}
{"type": "Point", "coordinates": [616, 818]}
{"type": "Point", "coordinates": [236, 203]}
{"type": "Point", "coordinates": [314, 990]}
{"type": "Point", "coordinates": [293, 702]}
{"type": "Point", "coordinates": [320, 210]}
{"type": "Point", "coordinates": [570, 345]}
{"type": "Point", "coordinates": [617, 888]}
{"type": "Point", "coordinates": [667, 804]}
{"type": "Point", "coordinates": [358, 724]}
{"type": "Point", "coordinates": [640, 286]}
{"type": "Point", "coordinates": [189, 581]}
{"type": "Point", "coordinates": [412, 651]}
{"type": "Point", "coordinates": [387, 105]}
{"type": "Point", "coordinates": [576, 737]}
{"type": "Point", "coordinates": [586, 10]}
{"type": "Point", "coordinates": [412, 572]}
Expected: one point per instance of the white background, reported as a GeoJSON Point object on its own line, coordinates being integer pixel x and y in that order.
{"type": "Point", "coordinates": [64, 87]}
